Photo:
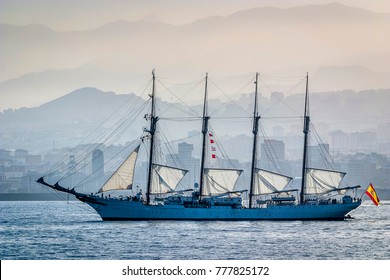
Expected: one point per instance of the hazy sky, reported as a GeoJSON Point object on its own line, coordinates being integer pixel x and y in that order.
{"type": "Point", "coordinates": [79, 15]}
{"type": "Point", "coordinates": [347, 52]}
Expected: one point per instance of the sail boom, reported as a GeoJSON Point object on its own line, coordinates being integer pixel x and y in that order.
{"type": "Point", "coordinates": [326, 170]}
{"type": "Point", "coordinates": [171, 167]}
{"type": "Point", "coordinates": [275, 173]}
{"type": "Point", "coordinates": [277, 192]}
{"type": "Point", "coordinates": [225, 193]}
{"type": "Point", "coordinates": [222, 169]}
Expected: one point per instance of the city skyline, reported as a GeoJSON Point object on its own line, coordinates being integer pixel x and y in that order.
{"type": "Point", "coordinates": [179, 129]}
{"type": "Point", "coordinates": [72, 56]}
{"type": "Point", "coordinates": [19, 169]}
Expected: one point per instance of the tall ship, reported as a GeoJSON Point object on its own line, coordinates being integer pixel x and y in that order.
{"type": "Point", "coordinates": [269, 195]}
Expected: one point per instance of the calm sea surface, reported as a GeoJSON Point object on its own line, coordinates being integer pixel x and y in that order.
{"type": "Point", "coordinates": [71, 230]}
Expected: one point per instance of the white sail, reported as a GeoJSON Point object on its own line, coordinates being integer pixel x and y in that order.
{"type": "Point", "coordinates": [218, 181]}
{"type": "Point", "coordinates": [320, 181]}
{"type": "Point", "coordinates": [165, 178]}
{"type": "Point", "coordinates": [122, 178]}
{"type": "Point", "coordinates": [267, 182]}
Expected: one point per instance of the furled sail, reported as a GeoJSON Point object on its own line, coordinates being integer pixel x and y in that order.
{"type": "Point", "coordinates": [122, 178]}
{"type": "Point", "coordinates": [267, 182]}
{"type": "Point", "coordinates": [320, 181]}
{"type": "Point", "coordinates": [218, 181]}
{"type": "Point", "coordinates": [166, 178]}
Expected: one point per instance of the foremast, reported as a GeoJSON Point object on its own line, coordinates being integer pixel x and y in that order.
{"type": "Point", "coordinates": [151, 131]}
{"type": "Point", "coordinates": [205, 128]}
{"type": "Point", "coordinates": [306, 125]}
{"type": "Point", "coordinates": [255, 130]}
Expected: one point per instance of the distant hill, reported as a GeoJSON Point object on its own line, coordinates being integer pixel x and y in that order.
{"type": "Point", "coordinates": [63, 121]}
{"type": "Point", "coordinates": [89, 104]}
{"type": "Point", "coordinates": [40, 64]}
{"type": "Point", "coordinates": [67, 120]}
{"type": "Point", "coordinates": [350, 77]}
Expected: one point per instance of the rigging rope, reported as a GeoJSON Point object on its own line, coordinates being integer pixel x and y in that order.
{"type": "Point", "coordinates": [90, 178]}
{"type": "Point", "coordinates": [108, 138]}
{"type": "Point", "coordinates": [230, 97]}
{"type": "Point", "coordinates": [55, 167]}
{"type": "Point", "coordinates": [180, 99]}
{"type": "Point", "coordinates": [280, 98]}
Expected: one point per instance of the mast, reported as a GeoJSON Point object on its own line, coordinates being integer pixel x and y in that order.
{"type": "Point", "coordinates": [306, 125]}
{"type": "Point", "coordinates": [205, 128]}
{"type": "Point", "coordinates": [152, 130]}
{"type": "Point", "coordinates": [255, 130]}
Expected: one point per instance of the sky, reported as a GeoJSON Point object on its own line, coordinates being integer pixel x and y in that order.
{"type": "Point", "coordinates": [39, 65]}
{"type": "Point", "coordinates": [87, 14]}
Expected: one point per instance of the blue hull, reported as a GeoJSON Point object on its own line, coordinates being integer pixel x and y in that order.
{"type": "Point", "coordinates": [113, 209]}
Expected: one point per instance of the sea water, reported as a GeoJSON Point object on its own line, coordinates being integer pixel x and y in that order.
{"type": "Point", "coordinates": [60, 230]}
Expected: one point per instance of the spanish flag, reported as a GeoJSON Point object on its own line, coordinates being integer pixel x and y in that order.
{"type": "Point", "coordinates": [372, 194]}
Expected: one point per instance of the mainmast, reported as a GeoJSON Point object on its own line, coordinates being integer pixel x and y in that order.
{"type": "Point", "coordinates": [152, 130]}
{"type": "Point", "coordinates": [205, 128]}
{"type": "Point", "coordinates": [255, 130]}
{"type": "Point", "coordinates": [306, 125]}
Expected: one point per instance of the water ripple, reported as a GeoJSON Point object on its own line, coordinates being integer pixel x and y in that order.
{"type": "Point", "coordinates": [70, 230]}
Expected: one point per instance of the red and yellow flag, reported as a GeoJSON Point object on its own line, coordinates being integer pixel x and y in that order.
{"type": "Point", "coordinates": [370, 191]}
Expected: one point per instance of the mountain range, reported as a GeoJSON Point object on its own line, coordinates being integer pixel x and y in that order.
{"type": "Point", "coordinates": [342, 47]}
{"type": "Point", "coordinates": [68, 120]}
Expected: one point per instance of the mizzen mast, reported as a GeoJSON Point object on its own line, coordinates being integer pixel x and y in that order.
{"type": "Point", "coordinates": [205, 128]}
{"type": "Point", "coordinates": [255, 130]}
{"type": "Point", "coordinates": [151, 131]}
{"type": "Point", "coordinates": [306, 125]}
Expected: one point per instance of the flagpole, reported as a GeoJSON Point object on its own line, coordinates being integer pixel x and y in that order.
{"type": "Point", "coordinates": [364, 192]}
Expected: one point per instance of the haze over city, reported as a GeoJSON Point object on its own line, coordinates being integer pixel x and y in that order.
{"type": "Point", "coordinates": [75, 60]}
{"type": "Point", "coordinates": [167, 136]}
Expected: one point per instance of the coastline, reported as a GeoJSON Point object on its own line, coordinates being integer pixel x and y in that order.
{"type": "Point", "coordinates": [34, 197]}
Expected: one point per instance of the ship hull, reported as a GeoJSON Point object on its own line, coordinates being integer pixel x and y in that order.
{"type": "Point", "coordinates": [113, 209]}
